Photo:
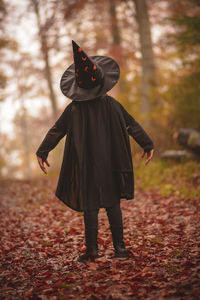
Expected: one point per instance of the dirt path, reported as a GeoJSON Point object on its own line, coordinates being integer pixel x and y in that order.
{"type": "Point", "coordinates": [41, 239]}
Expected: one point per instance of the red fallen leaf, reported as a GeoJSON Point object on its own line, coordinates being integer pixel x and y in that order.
{"type": "Point", "coordinates": [44, 274]}
{"type": "Point", "coordinates": [58, 283]}
{"type": "Point", "coordinates": [145, 269]}
{"type": "Point", "coordinates": [184, 272]}
{"type": "Point", "coordinates": [39, 284]}
{"type": "Point", "coordinates": [116, 277]}
{"type": "Point", "coordinates": [67, 262]}
{"type": "Point", "coordinates": [101, 241]}
{"type": "Point", "coordinates": [99, 276]}
{"type": "Point", "coordinates": [135, 285]}
{"type": "Point", "coordinates": [17, 259]}
{"type": "Point", "coordinates": [73, 231]}
{"type": "Point", "coordinates": [102, 259]}
{"type": "Point", "coordinates": [93, 297]}
{"type": "Point", "coordinates": [93, 266]}
{"type": "Point", "coordinates": [70, 279]}
{"type": "Point", "coordinates": [28, 293]}
{"type": "Point", "coordinates": [47, 291]}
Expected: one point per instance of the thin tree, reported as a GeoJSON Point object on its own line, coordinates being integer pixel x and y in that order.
{"type": "Point", "coordinates": [43, 28]}
{"type": "Point", "coordinates": [148, 80]}
{"type": "Point", "coordinates": [115, 31]}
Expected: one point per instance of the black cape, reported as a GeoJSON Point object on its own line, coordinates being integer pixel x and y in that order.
{"type": "Point", "coordinates": [97, 167]}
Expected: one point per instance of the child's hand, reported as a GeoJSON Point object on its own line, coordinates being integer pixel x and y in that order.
{"type": "Point", "coordinates": [41, 164]}
{"type": "Point", "coordinates": [149, 156]}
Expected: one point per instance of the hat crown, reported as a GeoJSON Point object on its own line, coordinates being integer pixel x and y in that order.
{"type": "Point", "coordinates": [88, 75]}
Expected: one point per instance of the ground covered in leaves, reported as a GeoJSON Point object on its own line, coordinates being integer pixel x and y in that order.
{"type": "Point", "coordinates": [41, 239]}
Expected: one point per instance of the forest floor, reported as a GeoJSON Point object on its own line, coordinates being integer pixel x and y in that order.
{"type": "Point", "coordinates": [41, 239]}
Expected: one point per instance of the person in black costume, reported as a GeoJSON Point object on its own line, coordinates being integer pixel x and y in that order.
{"type": "Point", "coordinates": [97, 168]}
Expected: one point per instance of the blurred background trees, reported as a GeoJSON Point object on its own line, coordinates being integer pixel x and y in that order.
{"type": "Point", "coordinates": [156, 44]}
{"type": "Point", "coordinates": [185, 89]}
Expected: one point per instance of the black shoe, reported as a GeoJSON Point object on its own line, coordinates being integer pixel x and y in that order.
{"type": "Point", "coordinates": [118, 242]}
{"type": "Point", "coordinates": [91, 245]}
{"type": "Point", "coordinates": [116, 226]}
{"type": "Point", "coordinates": [87, 257]}
{"type": "Point", "coordinates": [121, 252]}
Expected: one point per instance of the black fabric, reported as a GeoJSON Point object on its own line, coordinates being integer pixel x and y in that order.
{"type": "Point", "coordinates": [87, 74]}
{"type": "Point", "coordinates": [97, 165]}
{"type": "Point", "coordinates": [91, 230]}
{"type": "Point", "coordinates": [116, 226]}
{"type": "Point", "coordinates": [72, 90]}
{"type": "Point", "coordinates": [114, 214]}
{"type": "Point", "coordinates": [91, 219]}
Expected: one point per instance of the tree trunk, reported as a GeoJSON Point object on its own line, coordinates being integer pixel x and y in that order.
{"type": "Point", "coordinates": [114, 24]}
{"type": "Point", "coordinates": [115, 33]}
{"type": "Point", "coordinates": [26, 137]}
{"type": "Point", "coordinates": [116, 49]}
{"type": "Point", "coordinates": [45, 54]}
{"type": "Point", "coordinates": [190, 139]}
{"type": "Point", "coordinates": [148, 81]}
{"type": "Point", "coordinates": [48, 76]}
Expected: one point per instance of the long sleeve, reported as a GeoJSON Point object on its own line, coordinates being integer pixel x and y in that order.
{"type": "Point", "coordinates": [55, 134]}
{"type": "Point", "coordinates": [137, 132]}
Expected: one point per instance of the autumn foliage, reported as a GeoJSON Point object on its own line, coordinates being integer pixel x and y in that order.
{"type": "Point", "coordinates": [41, 239]}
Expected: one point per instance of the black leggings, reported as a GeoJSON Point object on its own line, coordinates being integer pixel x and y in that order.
{"type": "Point", "coordinates": [114, 214]}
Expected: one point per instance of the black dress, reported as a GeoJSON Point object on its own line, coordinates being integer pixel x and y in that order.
{"type": "Point", "coordinates": [97, 165]}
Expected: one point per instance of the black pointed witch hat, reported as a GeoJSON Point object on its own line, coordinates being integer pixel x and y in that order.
{"type": "Point", "coordinates": [89, 77]}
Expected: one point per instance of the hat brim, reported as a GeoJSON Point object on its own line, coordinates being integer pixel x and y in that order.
{"type": "Point", "coordinates": [71, 90]}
